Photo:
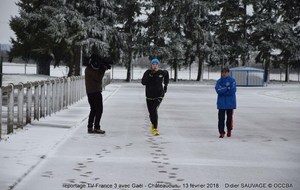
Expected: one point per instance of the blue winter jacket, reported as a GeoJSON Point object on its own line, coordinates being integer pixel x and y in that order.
{"type": "Point", "coordinates": [226, 88]}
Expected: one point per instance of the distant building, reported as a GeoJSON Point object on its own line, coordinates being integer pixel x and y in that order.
{"type": "Point", "coordinates": [5, 47]}
{"type": "Point", "coordinates": [248, 76]}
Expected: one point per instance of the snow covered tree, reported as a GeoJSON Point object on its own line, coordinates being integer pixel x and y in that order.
{"type": "Point", "coordinates": [155, 34]}
{"type": "Point", "coordinates": [164, 32]}
{"type": "Point", "coordinates": [198, 27]}
{"type": "Point", "coordinates": [33, 32]}
{"type": "Point", "coordinates": [234, 30]}
{"type": "Point", "coordinates": [59, 30]}
{"type": "Point", "coordinates": [179, 31]}
{"type": "Point", "coordinates": [69, 37]}
{"type": "Point", "coordinates": [173, 26]}
{"type": "Point", "coordinates": [129, 27]}
{"type": "Point", "coordinates": [98, 18]}
{"type": "Point", "coordinates": [97, 22]}
{"type": "Point", "coordinates": [266, 32]}
{"type": "Point", "coordinates": [289, 35]}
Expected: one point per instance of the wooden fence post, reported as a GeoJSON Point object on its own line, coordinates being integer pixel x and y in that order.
{"type": "Point", "coordinates": [29, 103]}
{"type": "Point", "coordinates": [10, 110]}
{"type": "Point", "coordinates": [54, 94]}
{"type": "Point", "coordinates": [48, 97]}
{"type": "Point", "coordinates": [42, 105]}
{"type": "Point", "coordinates": [20, 105]}
{"type": "Point", "coordinates": [36, 102]}
{"type": "Point", "coordinates": [62, 92]}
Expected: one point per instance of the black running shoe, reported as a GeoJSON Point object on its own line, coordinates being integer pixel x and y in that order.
{"type": "Point", "coordinates": [90, 130]}
{"type": "Point", "coordinates": [99, 131]}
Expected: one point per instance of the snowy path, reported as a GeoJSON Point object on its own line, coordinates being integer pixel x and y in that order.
{"type": "Point", "coordinates": [264, 147]}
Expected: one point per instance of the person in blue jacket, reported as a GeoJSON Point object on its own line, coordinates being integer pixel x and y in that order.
{"type": "Point", "coordinates": [226, 103]}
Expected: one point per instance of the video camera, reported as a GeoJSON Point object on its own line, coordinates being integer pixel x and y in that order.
{"type": "Point", "coordinates": [98, 62]}
{"type": "Point", "coordinates": [107, 62]}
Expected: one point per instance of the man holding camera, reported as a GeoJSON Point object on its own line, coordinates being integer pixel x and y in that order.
{"type": "Point", "coordinates": [94, 74]}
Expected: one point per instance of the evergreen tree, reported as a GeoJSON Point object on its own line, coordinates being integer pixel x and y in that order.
{"type": "Point", "coordinates": [98, 18]}
{"type": "Point", "coordinates": [289, 35]}
{"type": "Point", "coordinates": [235, 30]}
{"type": "Point", "coordinates": [198, 27]}
{"type": "Point", "coordinates": [173, 26]}
{"type": "Point", "coordinates": [129, 27]}
{"type": "Point", "coordinates": [266, 32]}
{"type": "Point", "coordinates": [59, 31]}
{"type": "Point", "coordinates": [164, 32]}
{"type": "Point", "coordinates": [155, 41]}
{"type": "Point", "coordinates": [98, 28]}
{"type": "Point", "coordinates": [33, 31]}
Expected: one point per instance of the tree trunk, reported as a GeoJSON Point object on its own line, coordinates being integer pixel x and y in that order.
{"type": "Point", "coordinates": [175, 71]}
{"type": "Point", "coordinates": [71, 70]}
{"type": "Point", "coordinates": [266, 71]}
{"type": "Point", "coordinates": [200, 68]}
{"type": "Point", "coordinates": [78, 60]}
{"type": "Point", "coordinates": [43, 65]}
{"type": "Point", "coordinates": [129, 67]}
{"type": "Point", "coordinates": [75, 65]}
{"type": "Point", "coordinates": [243, 59]}
{"type": "Point", "coordinates": [244, 55]}
{"type": "Point", "coordinates": [287, 73]}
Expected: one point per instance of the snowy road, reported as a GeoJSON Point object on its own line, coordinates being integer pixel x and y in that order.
{"type": "Point", "coordinates": [263, 152]}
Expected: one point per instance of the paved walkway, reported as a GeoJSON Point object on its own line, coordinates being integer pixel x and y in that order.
{"type": "Point", "coordinates": [263, 151]}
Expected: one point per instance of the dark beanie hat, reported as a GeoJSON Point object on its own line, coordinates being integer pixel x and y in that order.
{"type": "Point", "coordinates": [225, 70]}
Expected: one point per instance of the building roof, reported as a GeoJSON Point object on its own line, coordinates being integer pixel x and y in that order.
{"type": "Point", "coordinates": [245, 69]}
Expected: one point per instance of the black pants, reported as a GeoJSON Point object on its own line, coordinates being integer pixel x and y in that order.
{"type": "Point", "coordinates": [96, 106]}
{"type": "Point", "coordinates": [229, 121]}
{"type": "Point", "coordinates": [153, 105]}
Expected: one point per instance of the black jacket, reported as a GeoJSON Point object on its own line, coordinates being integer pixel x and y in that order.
{"type": "Point", "coordinates": [153, 81]}
{"type": "Point", "coordinates": [93, 79]}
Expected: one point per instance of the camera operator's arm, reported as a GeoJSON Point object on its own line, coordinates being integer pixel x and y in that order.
{"type": "Point", "coordinates": [103, 68]}
{"type": "Point", "coordinates": [107, 62]}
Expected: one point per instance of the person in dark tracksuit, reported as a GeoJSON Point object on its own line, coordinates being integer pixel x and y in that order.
{"type": "Point", "coordinates": [155, 91]}
{"type": "Point", "coordinates": [226, 103]}
{"type": "Point", "coordinates": [94, 73]}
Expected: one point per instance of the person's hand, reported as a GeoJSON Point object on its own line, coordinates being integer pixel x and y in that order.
{"type": "Point", "coordinates": [150, 74]}
{"type": "Point", "coordinates": [165, 89]}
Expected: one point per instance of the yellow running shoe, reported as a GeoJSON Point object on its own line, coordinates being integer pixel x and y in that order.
{"type": "Point", "coordinates": [151, 128]}
{"type": "Point", "coordinates": [155, 132]}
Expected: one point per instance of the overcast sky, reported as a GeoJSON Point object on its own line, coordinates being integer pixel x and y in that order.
{"type": "Point", "coordinates": [8, 8]}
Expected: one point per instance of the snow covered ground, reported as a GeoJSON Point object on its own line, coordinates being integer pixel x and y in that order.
{"type": "Point", "coordinates": [263, 153]}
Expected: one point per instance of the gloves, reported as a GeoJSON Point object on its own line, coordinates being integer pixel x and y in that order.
{"type": "Point", "coordinates": [165, 88]}
{"type": "Point", "coordinates": [149, 72]}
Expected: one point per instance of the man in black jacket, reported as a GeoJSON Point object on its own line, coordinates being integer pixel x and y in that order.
{"type": "Point", "coordinates": [155, 91]}
{"type": "Point", "coordinates": [94, 74]}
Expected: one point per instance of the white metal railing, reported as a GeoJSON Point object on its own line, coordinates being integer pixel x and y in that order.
{"type": "Point", "coordinates": [38, 99]}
